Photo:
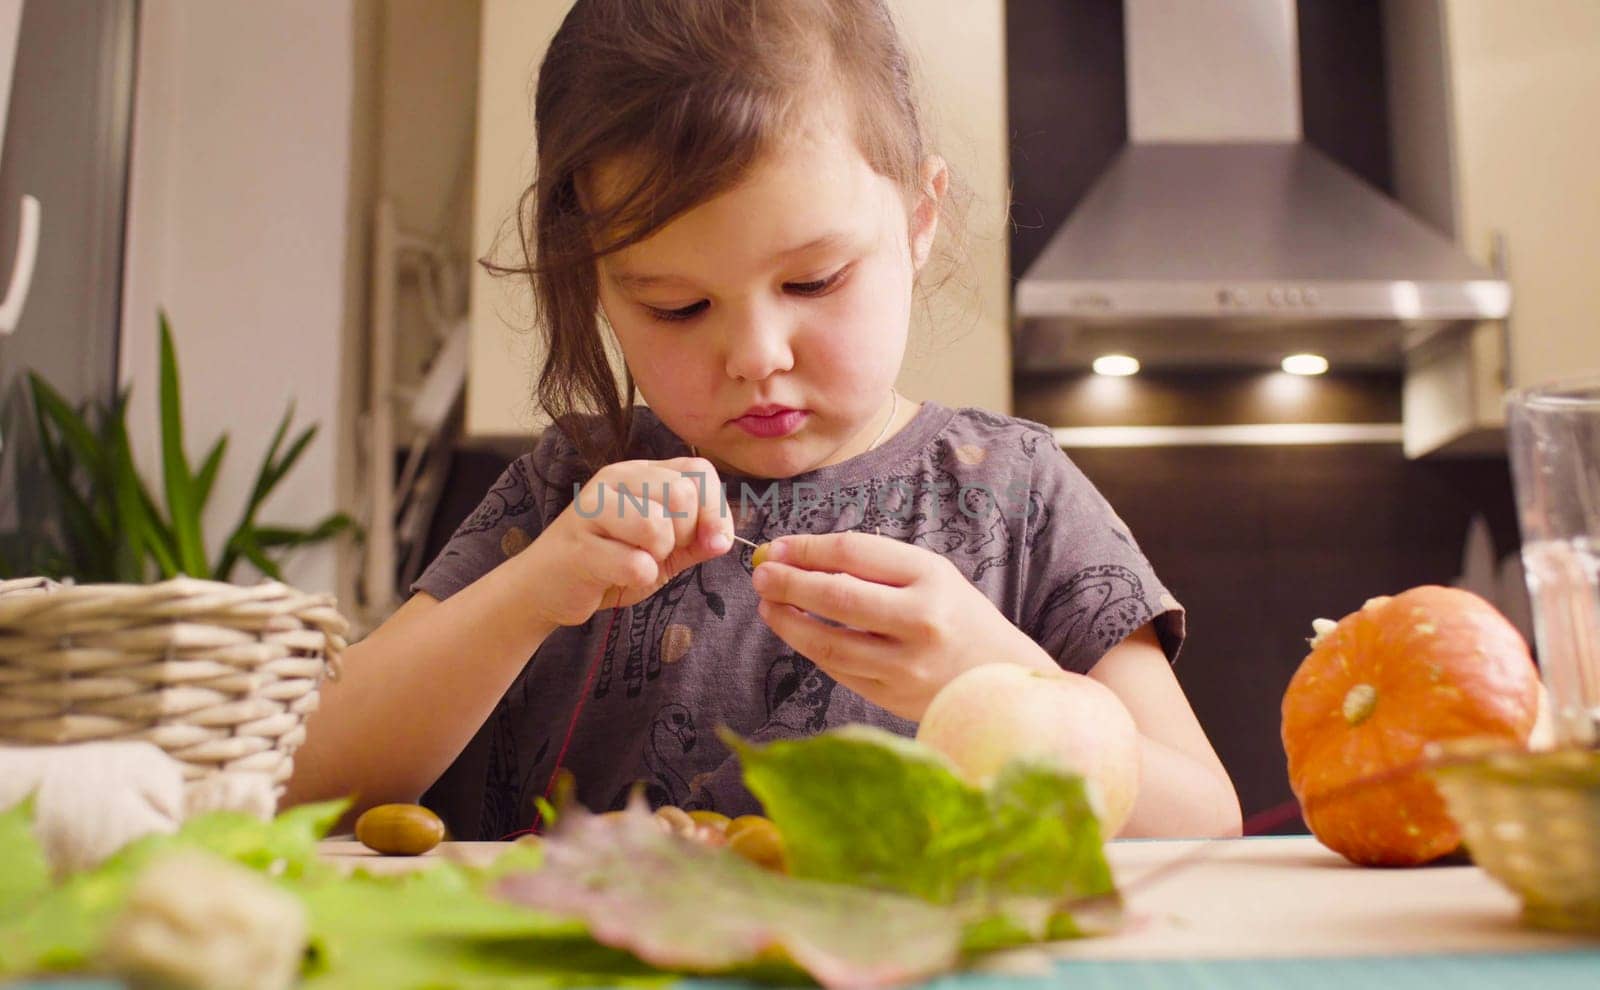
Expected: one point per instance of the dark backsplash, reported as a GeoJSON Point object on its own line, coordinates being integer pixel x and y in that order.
{"type": "Point", "coordinates": [1258, 541]}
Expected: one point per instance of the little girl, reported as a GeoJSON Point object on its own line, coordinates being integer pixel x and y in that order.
{"type": "Point", "coordinates": [738, 190]}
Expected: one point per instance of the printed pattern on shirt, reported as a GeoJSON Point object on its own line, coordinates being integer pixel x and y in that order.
{"type": "Point", "coordinates": [990, 494]}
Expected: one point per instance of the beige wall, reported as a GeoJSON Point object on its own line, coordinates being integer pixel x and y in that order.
{"type": "Point", "coordinates": [426, 119]}
{"type": "Point", "coordinates": [1526, 98]}
{"type": "Point", "coordinates": [240, 224]}
{"type": "Point", "coordinates": [960, 351]}
{"type": "Point", "coordinates": [512, 38]}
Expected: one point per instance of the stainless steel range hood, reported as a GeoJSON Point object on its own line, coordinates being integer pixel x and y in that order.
{"type": "Point", "coordinates": [1219, 237]}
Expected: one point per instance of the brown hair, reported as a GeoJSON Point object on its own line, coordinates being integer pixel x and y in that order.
{"type": "Point", "coordinates": [687, 95]}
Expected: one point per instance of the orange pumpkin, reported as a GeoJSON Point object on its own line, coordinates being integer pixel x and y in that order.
{"type": "Point", "coordinates": [1425, 665]}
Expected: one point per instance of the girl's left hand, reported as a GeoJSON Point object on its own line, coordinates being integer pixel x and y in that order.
{"type": "Point", "coordinates": [915, 621]}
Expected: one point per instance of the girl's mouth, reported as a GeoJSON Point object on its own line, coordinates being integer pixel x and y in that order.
{"type": "Point", "coordinates": [776, 424]}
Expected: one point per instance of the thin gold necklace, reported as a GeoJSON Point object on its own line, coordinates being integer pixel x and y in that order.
{"type": "Point", "coordinates": [894, 407]}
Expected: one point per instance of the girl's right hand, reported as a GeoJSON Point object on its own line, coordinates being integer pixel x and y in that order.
{"type": "Point", "coordinates": [604, 543]}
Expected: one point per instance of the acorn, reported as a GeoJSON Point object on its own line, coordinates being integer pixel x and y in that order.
{"type": "Point", "coordinates": [758, 840]}
{"type": "Point", "coordinates": [399, 829]}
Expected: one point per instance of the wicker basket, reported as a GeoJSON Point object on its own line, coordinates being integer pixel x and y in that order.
{"type": "Point", "coordinates": [219, 676]}
{"type": "Point", "coordinates": [1532, 821]}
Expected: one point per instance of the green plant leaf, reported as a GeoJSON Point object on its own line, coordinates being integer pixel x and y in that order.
{"type": "Point", "coordinates": [88, 556]}
{"type": "Point", "coordinates": [253, 543]}
{"type": "Point", "coordinates": [132, 531]}
{"type": "Point", "coordinates": [439, 927]}
{"type": "Point", "coordinates": [285, 846]}
{"type": "Point", "coordinates": [1021, 860]}
{"type": "Point", "coordinates": [62, 927]}
{"type": "Point", "coordinates": [277, 536]}
{"type": "Point", "coordinates": [233, 548]}
{"type": "Point", "coordinates": [208, 472]}
{"type": "Point", "coordinates": [24, 874]}
{"type": "Point", "coordinates": [245, 544]}
{"type": "Point", "coordinates": [277, 471]}
{"type": "Point", "coordinates": [180, 484]}
{"type": "Point", "coordinates": [433, 928]}
{"type": "Point", "coordinates": [159, 539]}
{"type": "Point", "coordinates": [80, 439]}
{"type": "Point", "coordinates": [259, 491]}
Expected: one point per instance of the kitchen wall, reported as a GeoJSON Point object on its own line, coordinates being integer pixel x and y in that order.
{"type": "Point", "coordinates": [266, 136]}
{"type": "Point", "coordinates": [248, 196]}
{"type": "Point", "coordinates": [1525, 80]}
{"type": "Point", "coordinates": [427, 126]}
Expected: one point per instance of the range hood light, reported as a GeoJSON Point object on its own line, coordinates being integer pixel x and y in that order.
{"type": "Point", "coordinates": [1116, 365]}
{"type": "Point", "coordinates": [1305, 364]}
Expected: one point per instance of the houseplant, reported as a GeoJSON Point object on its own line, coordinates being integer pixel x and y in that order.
{"type": "Point", "coordinates": [109, 527]}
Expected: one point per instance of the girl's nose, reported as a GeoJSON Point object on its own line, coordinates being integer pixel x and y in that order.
{"type": "Point", "coordinates": [759, 346]}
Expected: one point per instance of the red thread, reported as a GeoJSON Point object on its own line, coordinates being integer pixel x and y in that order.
{"type": "Point", "coordinates": [561, 754]}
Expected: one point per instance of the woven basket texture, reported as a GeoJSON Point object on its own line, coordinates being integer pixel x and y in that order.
{"type": "Point", "coordinates": [1532, 821]}
{"type": "Point", "coordinates": [219, 676]}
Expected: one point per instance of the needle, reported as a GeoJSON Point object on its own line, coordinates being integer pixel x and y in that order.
{"type": "Point", "coordinates": [739, 539]}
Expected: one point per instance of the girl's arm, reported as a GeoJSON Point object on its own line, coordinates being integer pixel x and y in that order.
{"type": "Point", "coordinates": [411, 695]}
{"type": "Point", "coordinates": [1183, 788]}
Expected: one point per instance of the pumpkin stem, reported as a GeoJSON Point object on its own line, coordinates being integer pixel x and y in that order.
{"type": "Point", "coordinates": [1359, 703]}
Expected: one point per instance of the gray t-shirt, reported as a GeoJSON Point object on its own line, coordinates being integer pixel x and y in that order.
{"type": "Point", "coordinates": [992, 494]}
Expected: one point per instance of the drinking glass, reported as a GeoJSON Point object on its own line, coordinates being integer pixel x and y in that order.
{"type": "Point", "coordinates": [1554, 434]}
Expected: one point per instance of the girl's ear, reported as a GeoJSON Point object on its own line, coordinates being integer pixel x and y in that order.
{"type": "Point", "coordinates": [925, 218]}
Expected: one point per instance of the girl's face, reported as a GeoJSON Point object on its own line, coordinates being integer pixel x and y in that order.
{"type": "Point", "coordinates": [790, 292]}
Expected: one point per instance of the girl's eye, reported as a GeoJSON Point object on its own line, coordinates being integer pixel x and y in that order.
{"type": "Point", "coordinates": [820, 287]}
{"type": "Point", "coordinates": [676, 315]}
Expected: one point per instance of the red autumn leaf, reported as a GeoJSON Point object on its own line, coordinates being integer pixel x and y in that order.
{"type": "Point", "coordinates": [680, 904]}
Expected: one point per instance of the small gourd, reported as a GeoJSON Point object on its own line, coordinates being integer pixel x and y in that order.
{"type": "Point", "coordinates": [1428, 665]}
{"type": "Point", "coordinates": [759, 557]}
{"type": "Point", "coordinates": [399, 829]}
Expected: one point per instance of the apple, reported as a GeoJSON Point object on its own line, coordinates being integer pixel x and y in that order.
{"type": "Point", "coordinates": [998, 712]}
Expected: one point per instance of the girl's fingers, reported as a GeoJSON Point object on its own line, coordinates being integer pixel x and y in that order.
{"type": "Point", "coordinates": [716, 521]}
{"type": "Point", "coordinates": [846, 654]}
{"type": "Point", "coordinates": [698, 516]}
{"type": "Point", "coordinates": [875, 608]}
{"type": "Point", "coordinates": [649, 505]}
{"type": "Point", "coordinates": [619, 563]}
{"type": "Point", "coordinates": [640, 525]}
{"type": "Point", "coordinates": [678, 500]}
{"type": "Point", "coordinates": [866, 555]}
{"type": "Point", "coordinates": [714, 517]}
